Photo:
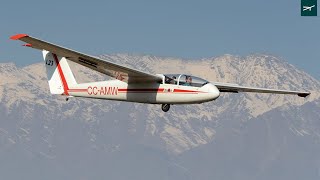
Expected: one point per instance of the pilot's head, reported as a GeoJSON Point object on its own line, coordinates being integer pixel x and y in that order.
{"type": "Point", "coordinates": [188, 79]}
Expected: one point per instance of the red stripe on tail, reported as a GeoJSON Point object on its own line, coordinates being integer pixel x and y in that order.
{"type": "Point", "coordinates": [63, 79]}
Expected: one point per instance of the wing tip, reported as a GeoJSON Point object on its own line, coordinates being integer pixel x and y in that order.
{"type": "Point", "coordinates": [18, 36]}
{"type": "Point", "coordinates": [304, 94]}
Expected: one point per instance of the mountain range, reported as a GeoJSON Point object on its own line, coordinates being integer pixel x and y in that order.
{"type": "Point", "coordinates": [238, 136]}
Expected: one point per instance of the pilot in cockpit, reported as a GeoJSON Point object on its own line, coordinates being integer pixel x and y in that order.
{"type": "Point", "coordinates": [188, 81]}
{"type": "Point", "coordinates": [173, 80]}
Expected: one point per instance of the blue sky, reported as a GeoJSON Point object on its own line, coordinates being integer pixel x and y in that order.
{"type": "Point", "coordinates": [185, 29]}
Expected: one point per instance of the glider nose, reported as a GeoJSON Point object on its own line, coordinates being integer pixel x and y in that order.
{"type": "Point", "coordinates": [212, 90]}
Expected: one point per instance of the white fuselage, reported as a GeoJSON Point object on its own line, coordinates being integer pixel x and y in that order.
{"type": "Point", "coordinates": [154, 93]}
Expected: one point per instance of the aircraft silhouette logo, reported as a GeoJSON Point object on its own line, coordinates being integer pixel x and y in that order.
{"type": "Point", "coordinates": [308, 7]}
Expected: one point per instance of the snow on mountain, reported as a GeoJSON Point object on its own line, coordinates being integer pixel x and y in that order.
{"type": "Point", "coordinates": [175, 129]}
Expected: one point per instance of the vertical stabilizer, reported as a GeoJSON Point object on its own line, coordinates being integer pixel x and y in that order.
{"type": "Point", "coordinates": [60, 76]}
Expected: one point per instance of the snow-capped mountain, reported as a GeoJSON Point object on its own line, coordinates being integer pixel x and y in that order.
{"type": "Point", "coordinates": [86, 138]}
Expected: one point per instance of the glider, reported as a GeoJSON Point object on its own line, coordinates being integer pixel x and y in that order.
{"type": "Point", "coordinates": [129, 84]}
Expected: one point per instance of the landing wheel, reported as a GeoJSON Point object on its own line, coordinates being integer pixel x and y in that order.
{"type": "Point", "coordinates": [67, 99]}
{"type": "Point", "coordinates": [165, 107]}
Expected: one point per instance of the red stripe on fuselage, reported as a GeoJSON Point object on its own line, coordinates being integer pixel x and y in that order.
{"type": "Point", "coordinates": [140, 90]}
{"type": "Point", "coordinates": [160, 90]}
{"type": "Point", "coordinates": [63, 79]}
{"type": "Point", "coordinates": [184, 90]}
{"type": "Point", "coordinates": [77, 90]}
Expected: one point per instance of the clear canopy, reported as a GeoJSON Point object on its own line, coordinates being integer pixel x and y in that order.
{"type": "Point", "coordinates": [184, 80]}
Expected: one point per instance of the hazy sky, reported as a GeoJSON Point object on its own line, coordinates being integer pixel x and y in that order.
{"type": "Point", "coordinates": [186, 29]}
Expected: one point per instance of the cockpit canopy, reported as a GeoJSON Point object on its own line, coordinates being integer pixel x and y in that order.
{"type": "Point", "coordinates": [184, 80]}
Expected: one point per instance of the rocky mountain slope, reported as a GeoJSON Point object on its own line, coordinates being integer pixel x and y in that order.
{"type": "Point", "coordinates": [86, 138]}
{"type": "Point", "coordinates": [280, 144]}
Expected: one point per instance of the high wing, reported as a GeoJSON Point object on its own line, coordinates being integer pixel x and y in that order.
{"type": "Point", "coordinates": [235, 88]}
{"type": "Point", "coordinates": [114, 70]}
